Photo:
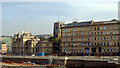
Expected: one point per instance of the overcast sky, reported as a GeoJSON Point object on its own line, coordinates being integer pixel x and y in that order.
{"type": "Point", "coordinates": [39, 17]}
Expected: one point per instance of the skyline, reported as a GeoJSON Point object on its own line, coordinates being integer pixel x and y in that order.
{"type": "Point", "coordinates": [39, 17]}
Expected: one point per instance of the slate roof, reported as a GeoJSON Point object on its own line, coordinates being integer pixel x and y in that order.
{"type": "Point", "coordinates": [77, 24]}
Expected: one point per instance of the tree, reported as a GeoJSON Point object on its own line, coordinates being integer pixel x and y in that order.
{"type": "Point", "coordinates": [56, 45]}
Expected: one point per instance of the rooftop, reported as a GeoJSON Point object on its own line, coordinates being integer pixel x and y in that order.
{"type": "Point", "coordinates": [85, 23]}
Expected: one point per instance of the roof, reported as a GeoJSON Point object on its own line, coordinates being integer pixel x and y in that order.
{"type": "Point", "coordinates": [77, 24]}
{"type": "Point", "coordinates": [86, 23]}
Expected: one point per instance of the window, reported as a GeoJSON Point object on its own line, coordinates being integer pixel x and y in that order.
{"type": "Point", "coordinates": [82, 29]}
{"type": "Point", "coordinates": [110, 27]}
{"type": "Point", "coordinates": [77, 29]}
{"type": "Point", "coordinates": [69, 30]}
{"type": "Point", "coordinates": [91, 38]}
{"type": "Point", "coordinates": [98, 33]}
{"type": "Point", "coordinates": [79, 33]}
{"type": "Point", "coordinates": [66, 44]}
{"type": "Point", "coordinates": [66, 39]}
{"type": "Point", "coordinates": [101, 28]}
{"type": "Point", "coordinates": [82, 44]}
{"type": "Point", "coordinates": [88, 44]}
{"type": "Point", "coordinates": [95, 38]}
{"type": "Point", "coordinates": [107, 27]}
{"type": "Point", "coordinates": [110, 43]}
{"type": "Point", "coordinates": [117, 50]}
{"type": "Point", "coordinates": [101, 38]}
{"type": "Point", "coordinates": [107, 49]}
{"type": "Point", "coordinates": [111, 49]}
{"type": "Point", "coordinates": [71, 39]}
{"type": "Point", "coordinates": [66, 34]}
{"type": "Point", "coordinates": [107, 32]}
{"type": "Point", "coordinates": [92, 33]}
{"type": "Point", "coordinates": [95, 33]}
{"type": "Point", "coordinates": [104, 50]}
{"type": "Point", "coordinates": [88, 33]}
{"type": "Point", "coordinates": [104, 38]}
{"type": "Point", "coordinates": [66, 30]}
{"type": "Point", "coordinates": [74, 29]}
{"type": "Point", "coordinates": [74, 44]}
{"type": "Point", "coordinates": [114, 49]}
{"type": "Point", "coordinates": [104, 28]}
{"type": "Point", "coordinates": [104, 33]}
{"type": "Point", "coordinates": [85, 43]}
{"type": "Point", "coordinates": [107, 38]}
{"type": "Point", "coordinates": [111, 38]}
{"type": "Point", "coordinates": [82, 34]}
{"type": "Point", "coordinates": [114, 32]}
{"type": "Point", "coordinates": [63, 30]}
{"type": "Point", "coordinates": [98, 28]}
{"type": "Point", "coordinates": [117, 32]}
{"type": "Point", "coordinates": [95, 28]}
{"type": "Point", "coordinates": [91, 28]}
{"type": "Point", "coordinates": [92, 44]}
{"type": "Point", "coordinates": [98, 38]}
{"type": "Point", "coordinates": [87, 28]}
{"type": "Point", "coordinates": [104, 43]}
{"type": "Point", "coordinates": [71, 44]}
{"type": "Point", "coordinates": [113, 27]}
{"type": "Point", "coordinates": [69, 34]}
{"type": "Point", "coordinates": [117, 27]}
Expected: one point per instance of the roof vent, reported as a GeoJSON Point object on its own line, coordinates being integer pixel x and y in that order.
{"type": "Point", "coordinates": [74, 21]}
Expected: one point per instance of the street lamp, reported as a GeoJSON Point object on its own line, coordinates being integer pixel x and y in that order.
{"type": "Point", "coordinates": [66, 58]}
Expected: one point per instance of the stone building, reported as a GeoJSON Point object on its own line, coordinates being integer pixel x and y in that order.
{"type": "Point", "coordinates": [31, 47]}
{"type": "Point", "coordinates": [91, 37]}
{"type": "Point", "coordinates": [3, 48]}
{"type": "Point", "coordinates": [57, 29]}
{"type": "Point", "coordinates": [26, 44]}
{"type": "Point", "coordinates": [19, 42]}
{"type": "Point", "coordinates": [45, 46]}
{"type": "Point", "coordinates": [8, 41]}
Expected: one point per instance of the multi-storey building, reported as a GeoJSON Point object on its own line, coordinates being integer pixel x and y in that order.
{"type": "Point", "coordinates": [91, 37]}
{"type": "Point", "coordinates": [8, 41]}
{"type": "Point", "coordinates": [26, 44]}
{"type": "Point", "coordinates": [57, 29]}
{"type": "Point", "coordinates": [45, 46]}
{"type": "Point", "coordinates": [3, 47]}
{"type": "Point", "coordinates": [19, 42]}
{"type": "Point", "coordinates": [31, 46]}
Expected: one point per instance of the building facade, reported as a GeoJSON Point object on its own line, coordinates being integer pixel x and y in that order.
{"type": "Point", "coordinates": [3, 48]}
{"type": "Point", "coordinates": [8, 41]}
{"type": "Point", "coordinates": [31, 46]}
{"type": "Point", "coordinates": [19, 43]}
{"type": "Point", "coordinates": [79, 38]}
{"type": "Point", "coordinates": [45, 46]}
{"type": "Point", "coordinates": [26, 44]}
{"type": "Point", "coordinates": [57, 29]}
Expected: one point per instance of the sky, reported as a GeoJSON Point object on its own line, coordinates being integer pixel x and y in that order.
{"type": "Point", "coordinates": [39, 17]}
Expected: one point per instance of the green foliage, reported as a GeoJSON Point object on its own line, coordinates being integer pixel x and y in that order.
{"type": "Point", "coordinates": [42, 38]}
{"type": "Point", "coordinates": [56, 44]}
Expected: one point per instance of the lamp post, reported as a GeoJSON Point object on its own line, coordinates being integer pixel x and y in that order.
{"type": "Point", "coordinates": [66, 58]}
